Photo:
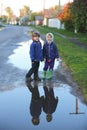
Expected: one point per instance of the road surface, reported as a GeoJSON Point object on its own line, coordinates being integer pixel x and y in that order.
{"type": "Point", "coordinates": [15, 97]}
{"type": "Point", "coordinates": [10, 36]}
{"type": "Point", "coordinates": [11, 76]}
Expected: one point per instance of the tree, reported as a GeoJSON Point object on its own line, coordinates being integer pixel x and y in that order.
{"type": "Point", "coordinates": [79, 8]}
{"type": "Point", "coordinates": [66, 16]}
{"type": "Point", "coordinates": [24, 20]}
{"type": "Point", "coordinates": [54, 11]}
{"type": "Point", "coordinates": [25, 11]}
{"type": "Point", "coordinates": [9, 13]}
{"type": "Point", "coordinates": [4, 18]}
{"type": "Point", "coordinates": [32, 17]}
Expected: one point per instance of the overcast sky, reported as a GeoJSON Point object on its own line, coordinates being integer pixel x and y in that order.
{"type": "Point", "coordinates": [35, 5]}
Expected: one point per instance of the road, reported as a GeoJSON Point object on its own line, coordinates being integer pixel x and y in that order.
{"type": "Point", "coordinates": [15, 98]}
{"type": "Point", "coordinates": [11, 76]}
{"type": "Point", "coordinates": [9, 37]}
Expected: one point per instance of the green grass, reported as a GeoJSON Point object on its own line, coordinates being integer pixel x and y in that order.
{"type": "Point", "coordinates": [82, 37]}
{"type": "Point", "coordinates": [74, 57]}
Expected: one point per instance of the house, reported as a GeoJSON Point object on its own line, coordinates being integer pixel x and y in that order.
{"type": "Point", "coordinates": [51, 20]}
{"type": "Point", "coordinates": [47, 16]}
{"type": "Point", "coordinates": [39, 20]}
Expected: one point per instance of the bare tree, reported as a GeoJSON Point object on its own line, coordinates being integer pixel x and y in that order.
{"type": "Point", "coordinates": [9, 13]}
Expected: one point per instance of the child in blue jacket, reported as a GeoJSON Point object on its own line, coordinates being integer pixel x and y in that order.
{"type": "Point", "coordinates": [50, 53]}
{"type": "Point", "coordinates": [36, 102]}
{"type": "Point", "coordinates": [36, 55]}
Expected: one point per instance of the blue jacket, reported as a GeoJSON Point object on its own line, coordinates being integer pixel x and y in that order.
{"type": "Point", "coordinates": [50, 51]}
{"type": "Point", "coordinates": [36, 53]}
{"type": "Point", "coordinates": [36, 100]}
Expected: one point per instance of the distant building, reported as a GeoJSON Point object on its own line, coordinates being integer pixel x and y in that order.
{"type": "Point", "coordinates": [39, 20]}
{"type": "Point", "coordinates": [47, 15]}
{"type": "Point", "coordinates": [51, 20]}
{"type": "Point", "coordinates": [55, 22]}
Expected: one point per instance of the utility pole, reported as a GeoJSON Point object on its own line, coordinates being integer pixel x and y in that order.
{"type": "Point", "coordinates": [43, 12]}
{"type": "Point", "coordinates": [1, 8]}
{"type": "Point", "coordinates": [59, 7]}
{"type": "Point", "coordinates": [59, 11]}
{"type": "Point", "coordinates": [43, 7]}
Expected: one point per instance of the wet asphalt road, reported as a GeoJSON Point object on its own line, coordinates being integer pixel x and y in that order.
{"type": "Point", "coordinates": [10, 36]}
{"type": "Point", "coordinates": [12, 76]}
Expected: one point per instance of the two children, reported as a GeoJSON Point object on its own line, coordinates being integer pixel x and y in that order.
{"type": "Point", "coordinates": [49, 53]}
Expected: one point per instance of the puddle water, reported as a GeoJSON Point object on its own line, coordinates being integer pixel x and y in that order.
{"type": "Point", "coordinates": [15, 109]}
{"type": "Point", "coordinates": [19, 105]}
{"type": "Point", "coordinates": [21, 59]}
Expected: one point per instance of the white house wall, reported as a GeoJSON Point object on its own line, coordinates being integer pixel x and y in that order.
{"type": "Point", "coordinates": [54, 22]}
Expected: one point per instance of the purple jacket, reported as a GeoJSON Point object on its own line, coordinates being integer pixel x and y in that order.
{"type": "Point", "coordinates": [50, 51]}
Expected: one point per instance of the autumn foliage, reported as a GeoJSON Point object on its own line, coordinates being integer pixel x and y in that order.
{"type": "Point", "coordinates": [79, 9]}
{"type": "Point", "coordinates": [74, 15]}
{"type": "Point", "coordinates": [66, 13]}
{"type": "Point", "coordinates": [66, 16]}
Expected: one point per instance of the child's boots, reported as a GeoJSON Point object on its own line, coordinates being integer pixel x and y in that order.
{"type": "Point", "coordinates": [44, 74]}
{"type": "Point", "coordinates": [50, 74]}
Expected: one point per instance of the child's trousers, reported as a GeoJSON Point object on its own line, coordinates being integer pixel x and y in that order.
{"type": "Point", "coordinates": [33, 70]}
{"type": "Point", "coordinates": [49, 65]}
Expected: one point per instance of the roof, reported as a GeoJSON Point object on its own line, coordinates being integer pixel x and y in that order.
{"type": "Point", "coordinates": [48, 13]}
{"type": "Point", "coordinates": [39, 17]}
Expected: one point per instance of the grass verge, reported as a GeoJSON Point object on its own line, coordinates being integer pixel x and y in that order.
{"type": "Point", "coordinates": [82, 37]}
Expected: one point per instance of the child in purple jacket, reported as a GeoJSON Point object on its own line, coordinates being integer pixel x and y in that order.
{"type": "Point", "coordinates": [50, 53]}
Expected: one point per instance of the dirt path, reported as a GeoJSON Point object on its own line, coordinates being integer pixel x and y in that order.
{"type": "Point", "coordinates": [73, 40]}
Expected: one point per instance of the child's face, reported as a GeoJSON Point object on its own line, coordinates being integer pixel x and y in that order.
{"type": "Point", "coordinates": [36, 38]}
{"type": "Point", "coordinates": [49, 39]}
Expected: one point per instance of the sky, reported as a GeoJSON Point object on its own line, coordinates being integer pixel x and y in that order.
{"type": "Point", "coordinates": [35, 5]}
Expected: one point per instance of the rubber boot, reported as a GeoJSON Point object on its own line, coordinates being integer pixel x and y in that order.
{"type": "Point", "coordinates": [50, 74]}
{"type": "Point", "coordinates": [44, 74]}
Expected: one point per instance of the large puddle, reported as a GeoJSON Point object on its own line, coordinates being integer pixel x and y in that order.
{"type": "Point", "coordinates": [21, 59]}
{"type": "Point", "coordinates": [19, 106]}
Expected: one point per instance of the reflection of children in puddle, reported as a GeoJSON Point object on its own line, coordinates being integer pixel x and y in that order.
{"type": "Point", "coordinates": [49, 102]}
{"type": "Point", "coordinates": [36, 103]}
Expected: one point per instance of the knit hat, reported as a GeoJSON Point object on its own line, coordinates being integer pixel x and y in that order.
{"type": "Point", "coordinates": [50, 35]}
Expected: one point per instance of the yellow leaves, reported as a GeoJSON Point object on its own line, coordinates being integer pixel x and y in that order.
{"type": "Point", "coordinates": [66, 13]}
